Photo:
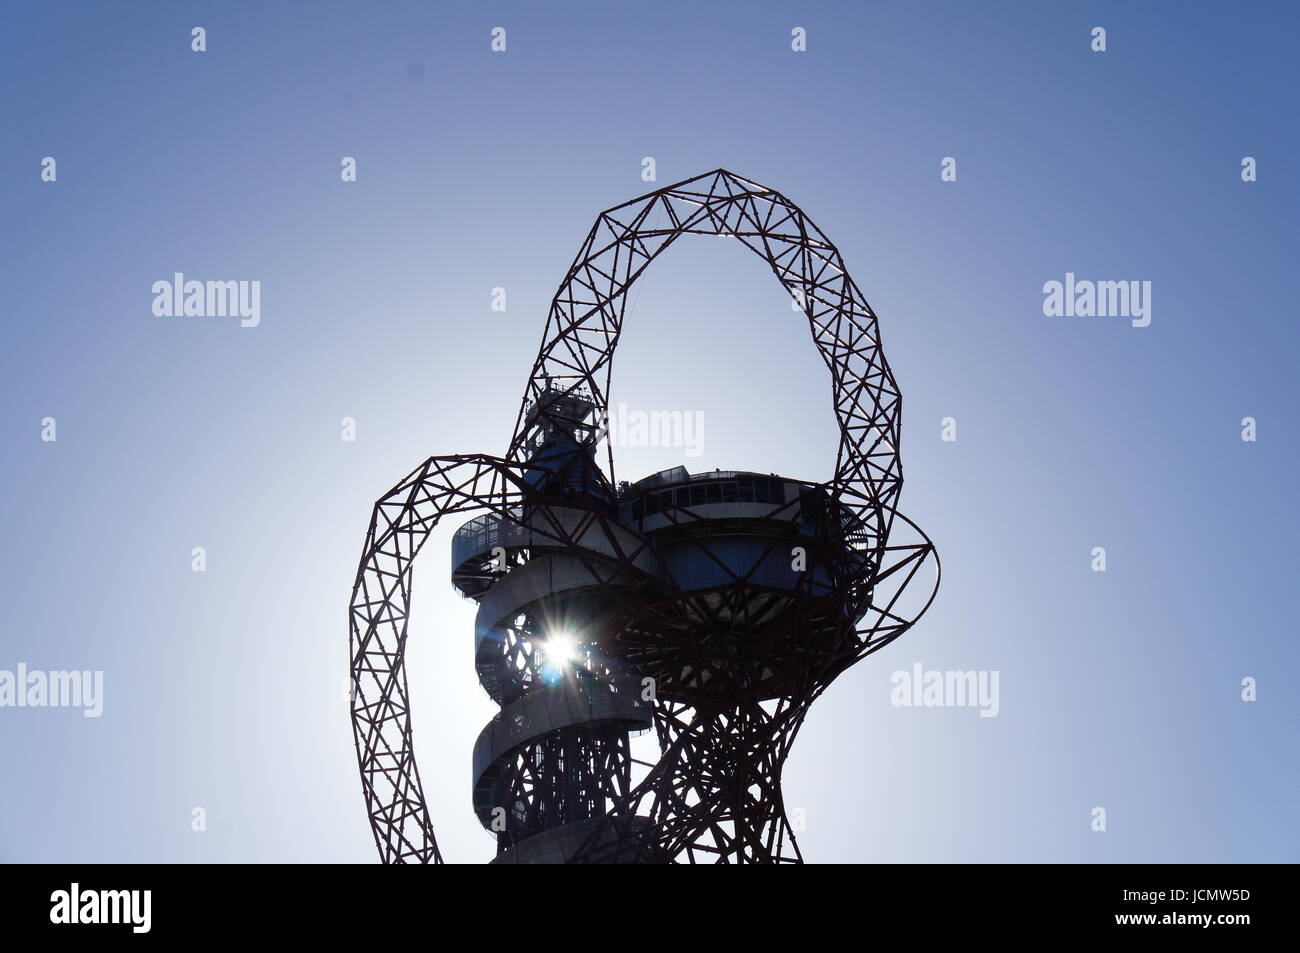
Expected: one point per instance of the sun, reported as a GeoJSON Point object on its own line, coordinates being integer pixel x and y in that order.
{"type": "Point", "coordinates": [560, 649]}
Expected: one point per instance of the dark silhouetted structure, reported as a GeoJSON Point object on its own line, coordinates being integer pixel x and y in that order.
{"type": "Point", "coordinates": [711, 608]}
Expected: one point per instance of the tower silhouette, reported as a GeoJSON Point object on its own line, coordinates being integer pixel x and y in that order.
{"type": "Point", "coordinates": [710, 608]}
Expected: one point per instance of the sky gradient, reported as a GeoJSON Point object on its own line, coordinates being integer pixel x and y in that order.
{"type": "Point", "coordinates": [225, 689]}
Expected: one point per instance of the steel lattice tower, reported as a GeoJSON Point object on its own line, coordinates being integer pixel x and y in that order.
{"type": "Point", "coordinates": [712, 608]}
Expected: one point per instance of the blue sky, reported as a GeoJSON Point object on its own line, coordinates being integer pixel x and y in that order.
{"type": "Point", "coordinates": [223, 689]}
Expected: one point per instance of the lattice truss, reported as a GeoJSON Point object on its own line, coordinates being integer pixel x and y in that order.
{"type": "Point", "coordinates": [733, 670]}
